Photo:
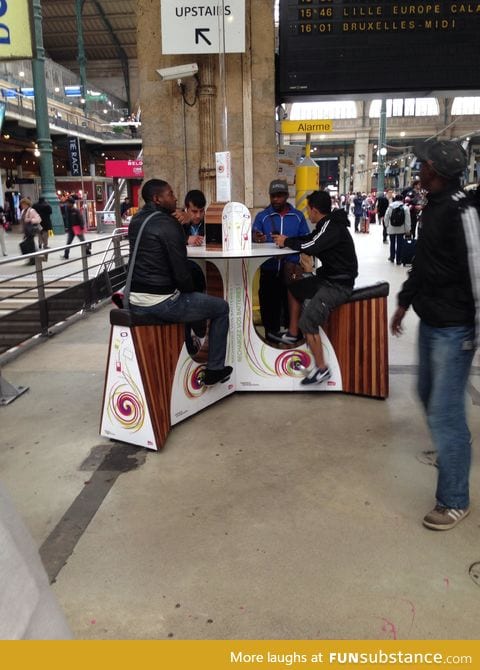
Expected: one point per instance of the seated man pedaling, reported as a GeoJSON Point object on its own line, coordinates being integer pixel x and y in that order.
{"type": "Point", "coordinates": [332, 284]}
{"type": "Point", "coordinates": [162, 284]}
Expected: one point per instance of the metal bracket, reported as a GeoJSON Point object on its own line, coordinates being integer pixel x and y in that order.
{"type": "Point", "coordinates": [9, 392]}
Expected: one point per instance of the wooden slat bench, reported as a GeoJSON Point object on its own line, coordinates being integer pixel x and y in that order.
{"type": "Point", "coordinates": [358, 331]}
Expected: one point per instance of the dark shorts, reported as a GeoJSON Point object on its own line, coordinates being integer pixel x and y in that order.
{"type": "Point", "coordinates": [320, 297]}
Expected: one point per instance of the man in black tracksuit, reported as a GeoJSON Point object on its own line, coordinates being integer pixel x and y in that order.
{"type": "Point", "coordinates": [333, 282]}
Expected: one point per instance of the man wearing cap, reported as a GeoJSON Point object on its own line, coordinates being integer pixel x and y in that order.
{"type": "Point", "coordinates": [444, 288]}
{"type": "Point", "coordinates": [279, 218]}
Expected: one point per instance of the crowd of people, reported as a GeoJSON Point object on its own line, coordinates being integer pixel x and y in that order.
{"type": "Point", "coordinates": [35, 222]}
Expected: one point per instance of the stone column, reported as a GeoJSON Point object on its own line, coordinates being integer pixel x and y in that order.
{"type": "Point", "coordinates": [360, 161]}
{"type": "Point", "coordinates": [250, 97]}
{"type": "Point", "coordinates": [206, 101]}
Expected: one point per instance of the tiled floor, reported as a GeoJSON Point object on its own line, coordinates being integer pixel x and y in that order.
{"type": "Point", "coordinates": [266, 516]}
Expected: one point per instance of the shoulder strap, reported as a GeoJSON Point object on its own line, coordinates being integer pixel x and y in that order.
{"type": "Point", "coordinates": [126, 292]}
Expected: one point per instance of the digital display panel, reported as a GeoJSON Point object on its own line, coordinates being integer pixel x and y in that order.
{"type": "Point", "coordinates": [332, 47]}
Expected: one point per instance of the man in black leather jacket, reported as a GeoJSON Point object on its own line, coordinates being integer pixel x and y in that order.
{"type": "Point", "coordinates": [162, 284]}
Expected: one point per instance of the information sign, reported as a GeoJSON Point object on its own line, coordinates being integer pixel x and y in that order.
{"type": "Point", "coordinates": [353, 47]}
{"type": "Point", "coordinates": [306, 126]}
{"type": "Point", "coordinates": [210, 27]}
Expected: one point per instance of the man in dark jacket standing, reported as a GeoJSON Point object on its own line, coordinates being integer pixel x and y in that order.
{"type": "Point", "coordinates": [444, 288]}
{"type": "Point", "coordinates": [162, 284]}
{"type": "Point", "coordinates": [333, 282]}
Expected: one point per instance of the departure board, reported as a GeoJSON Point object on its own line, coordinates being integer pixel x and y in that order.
{"type": "Point", "coordinates": [357, 47]}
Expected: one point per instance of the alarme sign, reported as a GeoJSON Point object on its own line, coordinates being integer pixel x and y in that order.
{"type": "Point", "coordinates": [124, 169]}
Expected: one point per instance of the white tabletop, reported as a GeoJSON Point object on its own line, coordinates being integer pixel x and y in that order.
{"type": "Point", "coordinates": [266, 249]}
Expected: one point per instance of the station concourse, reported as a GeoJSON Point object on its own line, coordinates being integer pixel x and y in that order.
{"type": "Point", "coordinates": [275, 515]}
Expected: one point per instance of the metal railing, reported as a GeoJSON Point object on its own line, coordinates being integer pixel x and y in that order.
{"type": "Point", "coordinates": [35, 301]}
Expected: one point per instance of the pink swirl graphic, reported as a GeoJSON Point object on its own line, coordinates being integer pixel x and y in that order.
{"type": "Point", "coordinates": [127, 408]}
{"type": "Point", "coordinates": [193, 385]}
{"type": "Point", "coordinates": [292, 363]}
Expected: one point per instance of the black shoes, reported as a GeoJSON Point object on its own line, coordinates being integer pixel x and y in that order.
{"type": "Point", "coordinates": [212, 377]}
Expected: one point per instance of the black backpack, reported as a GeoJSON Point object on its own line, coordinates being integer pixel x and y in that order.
{"type": "Point", "coordinates": [397, 217]}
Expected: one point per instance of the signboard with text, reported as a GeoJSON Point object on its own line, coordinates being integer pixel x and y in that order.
{"type": "Point", "coordinates": [74, 158]}
{"type": "Point", "coordinates": [330, 47]}
{"type": "Point", "coordinates": [306, 126]}
{"type": "Point", "coordinates": [15, 30]}
{"type": "Point", "coordinates": [124, 169]}
{"type": "Point", "coordinates": [212, 27]}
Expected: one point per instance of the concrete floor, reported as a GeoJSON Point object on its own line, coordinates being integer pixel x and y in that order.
{"type": "Point", "coordinates": [266, 516]}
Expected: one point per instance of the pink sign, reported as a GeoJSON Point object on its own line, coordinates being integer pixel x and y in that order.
{"type": "Point", "coordinates": [124, 169]}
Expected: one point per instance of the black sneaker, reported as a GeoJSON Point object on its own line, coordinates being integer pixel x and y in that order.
{"type": "Point", "coordinates": [212, 377]}
{"type": "Point", "coordinates": [316, 376]}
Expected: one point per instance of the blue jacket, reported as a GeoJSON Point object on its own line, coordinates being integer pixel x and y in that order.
{"type": "Point", "coordinates": [292, 224]}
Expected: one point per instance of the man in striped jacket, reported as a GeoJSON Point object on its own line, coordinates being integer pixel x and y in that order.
{"type": "Point", "coordinates": [443, 287]}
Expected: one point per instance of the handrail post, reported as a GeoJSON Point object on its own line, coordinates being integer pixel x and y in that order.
{"type": "Point", "coordinates": [117, 252]}
{"type": "Point", "coordinates": [86, 282]}
{"type": "Point", "coordinates": [42, 298]}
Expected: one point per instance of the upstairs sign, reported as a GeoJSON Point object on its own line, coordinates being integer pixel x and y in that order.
{"type": "Point", "coordinates": [208, 27]}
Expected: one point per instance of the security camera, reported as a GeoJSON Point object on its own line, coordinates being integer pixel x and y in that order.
{"type": "Point", "coordinates": [178, 71]}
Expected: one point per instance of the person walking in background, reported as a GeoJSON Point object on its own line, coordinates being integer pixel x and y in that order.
{"type": "Point", "coordinates": [45, 211]}
{"type": "Point", "coordinates": [74, 226]}
{"type": "Point", "coordinates": [358, 210]}
{"type": "Point", "coordinates": [3, 228]}
{"type": "Point", "coordinates": [381, 206]}
{"type": "Point", "coordinates": [30, 220]}
{"type": "Point", "coordinates": [397, 222]}
{"type": "Point", "coordinates": [444, 288]}
{"type": "Point", "coordinates": [125, 206]}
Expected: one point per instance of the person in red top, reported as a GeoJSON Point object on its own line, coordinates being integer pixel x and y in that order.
{"type": "Point", "coordinates": [74, 226]}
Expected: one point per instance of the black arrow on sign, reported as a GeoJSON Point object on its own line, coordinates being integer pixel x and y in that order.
{"type": "Point", "coordinates": [199, 33]}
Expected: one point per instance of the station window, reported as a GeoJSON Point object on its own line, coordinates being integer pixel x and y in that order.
{"type": "Point", "coordinates": [330, 109]}
{"type": "Point", "coordinates": [470, 105]}
{"type": "Point", "coordinates": [406, 107]}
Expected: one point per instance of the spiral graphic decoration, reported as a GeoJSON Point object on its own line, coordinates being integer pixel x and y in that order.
{"type": "Point", "coordinates": [125, 404]}
{"type": "Point", "coordinates": [292, 363]}
{"type": "Point", "coordinates": [193, 385]}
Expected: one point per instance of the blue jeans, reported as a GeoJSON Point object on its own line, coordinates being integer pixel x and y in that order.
{"type": "Point", "coordinates": [446, 355]}
{"type": "Point", "coordinates": [396, 246]}
{"type": "Point", "coordinates": [191, 307]}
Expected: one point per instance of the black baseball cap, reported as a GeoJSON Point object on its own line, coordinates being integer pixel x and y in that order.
{"type": "Point", "coordinates": [278, 186]}
{"type": "Point", "coordinates": [447, 157]}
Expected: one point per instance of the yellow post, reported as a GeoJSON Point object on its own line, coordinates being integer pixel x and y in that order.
{"type": "Point", "coordinates": [307, 178]}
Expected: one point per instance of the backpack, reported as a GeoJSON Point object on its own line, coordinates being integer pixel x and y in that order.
{"type": "Point", "coordinates": [397, 217]}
